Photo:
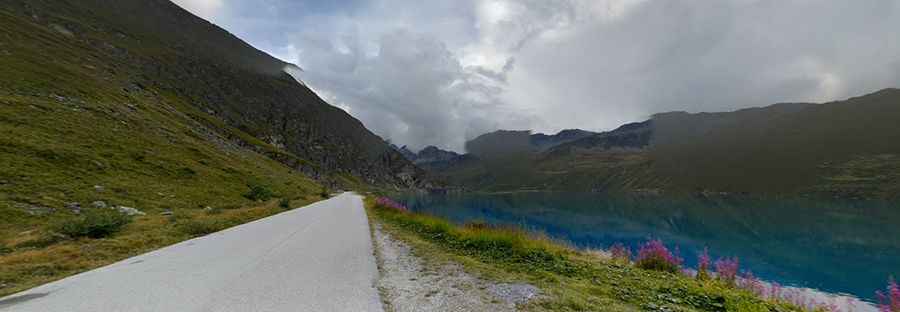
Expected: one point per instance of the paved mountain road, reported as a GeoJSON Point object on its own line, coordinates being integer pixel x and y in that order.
{"type": "Point", "coordinates": [316, 258]}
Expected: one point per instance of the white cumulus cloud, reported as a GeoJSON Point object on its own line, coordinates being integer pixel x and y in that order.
{"type": "Point", "coordinates": [207, 9]}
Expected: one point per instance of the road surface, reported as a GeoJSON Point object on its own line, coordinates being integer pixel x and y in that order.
{"type": "Point", "coordinates": [316, 258]}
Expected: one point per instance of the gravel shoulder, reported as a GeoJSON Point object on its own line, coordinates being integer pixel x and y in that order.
{"type": "Point", "coordinates": [410, 283]}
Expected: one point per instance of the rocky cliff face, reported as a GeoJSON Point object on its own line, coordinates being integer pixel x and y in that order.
{"type": "Point", "coordinates": [433, 154]}
{"type": "Point", "coordinates": [501, 142]}
{"type": "Point", "coordinates": [544, 142]}
{"type": "Point", "coordinates": [633, 136]}
{"type": "Point", "coordinates": [155, 45]}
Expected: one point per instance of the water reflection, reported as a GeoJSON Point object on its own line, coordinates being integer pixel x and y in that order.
{"type": "Point", "coordinates": [838, 247]}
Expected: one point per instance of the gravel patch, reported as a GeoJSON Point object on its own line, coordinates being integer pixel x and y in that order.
{"type": "Point", "coordinates": [409, 284]}
{"type": "Point", "coordinates": [514, 293]}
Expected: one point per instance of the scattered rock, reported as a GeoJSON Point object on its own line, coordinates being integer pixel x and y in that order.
{"type": "Point", "coordinates": [74, 207]}
{"type": "Point", "coordinates": [514, 293]}
{"type": "Point", "coordinates": [58, 97]}
{"type": "Point", "coordinates": [167, 213]}
{"type": "Point", "coordinates": [129, 211]}
{"type": "Point", "coordinates": [658, 308]}
{"type": "Point", "coordinates": [62, 30]}
{"type": "Point", "coordinates": [99, 204]}
{"type": "Point", "coordinates": [99, 188]}
{"type": "Point", "coordinates": [133, 87]}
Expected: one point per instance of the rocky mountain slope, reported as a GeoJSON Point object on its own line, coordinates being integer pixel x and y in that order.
{"type": "Point", "coordinates": [155, 47]}
{"type": "Point", "coordinates": [544, 141]}
{"type": "Point", "coordinates": [845, 149]}
{"type": "Point", "coordinates": [498, 143]}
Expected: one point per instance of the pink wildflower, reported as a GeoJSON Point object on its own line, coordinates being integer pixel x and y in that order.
{"type": "Point", "coordinates": [389, 203]}
{"type": "Point", "coordinates": [752, 284]}
{"type": "Point", "coordinates": [653, 255]}
{"type": "Point", "coordinates": [889, 301]}
{"type": "Point", "coordinates": [703, 264]}
{"type": "Point", "coordinates": [620, 252]}
{"type": "Point", "coordinates": [775, 290]}
{"type": "Point", "coordinates": [727, 269]}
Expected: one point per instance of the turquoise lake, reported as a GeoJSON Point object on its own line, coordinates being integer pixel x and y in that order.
{"type": "Point", "coordinates": [837, 247]}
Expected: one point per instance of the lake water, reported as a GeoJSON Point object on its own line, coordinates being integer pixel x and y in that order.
{"type": "Point", "coordinates": [837, 247]}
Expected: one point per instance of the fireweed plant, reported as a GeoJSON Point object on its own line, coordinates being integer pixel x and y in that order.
{"type": "Point", "coordinates": [653, 255]}
{"type": "Point", "coordinates": [703, 264]}
{"type": "Point", "coordinates": [727, 270]}
{"type": "Point", "coordinates": [619, 252]}
{"type": "Point", "coordinates": [390, 203]}
{"type": "Point", "coordinates": [889, 300]}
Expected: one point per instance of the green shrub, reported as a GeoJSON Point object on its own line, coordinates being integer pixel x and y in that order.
{"type": "Point", "coordinates": [324, 193]}
{"type": "Point", "coordinates": [186, 172]}
{"type": "Point", "coordinates": [93, 223]}
{"type": "Point", "coordinates": [284, 203]}
{"type": "Point", "coordinates": [259, 192]}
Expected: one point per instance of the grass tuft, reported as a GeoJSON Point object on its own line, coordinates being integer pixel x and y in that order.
{"type": "Point", "coordinates": [93, 223]}
{"type": "Point", "coordinates": [259, 192]}
{"type": "Point", "coordinates": [196, 228]}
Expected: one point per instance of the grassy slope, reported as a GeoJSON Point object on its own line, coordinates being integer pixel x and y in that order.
{"type": "Point", "coordinates": [154, 44]}
{"type": "Point", "coordinates": [67, 125]}
{"type": "Point", "coordinates": [571, 280]}
{"type": "Point", "coordinates": [785, 148]}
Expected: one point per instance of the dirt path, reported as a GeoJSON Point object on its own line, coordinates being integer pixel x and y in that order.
{"type": "Point", "coordinates": [407, 283]}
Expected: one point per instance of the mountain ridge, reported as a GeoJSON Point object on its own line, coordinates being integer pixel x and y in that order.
{"type": "Point", "coordinates": [845, 149]}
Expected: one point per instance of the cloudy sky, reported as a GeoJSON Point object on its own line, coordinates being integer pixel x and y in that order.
{"type": "Point", "coordinates": [440, 72]}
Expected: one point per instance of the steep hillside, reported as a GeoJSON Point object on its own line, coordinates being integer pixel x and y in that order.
{"type": "Point", "coordinates": [137, 103]}
{"type": "Point", "coordinates": [155, 46]}
{"type": "Point", "coordinates": [846, 149]}
{"type": "Point", "coordinates": [501, 144]}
